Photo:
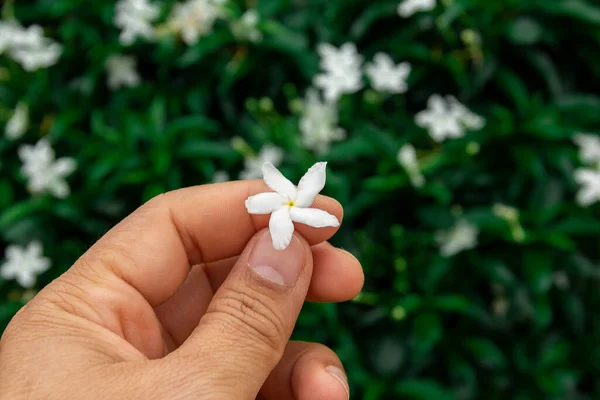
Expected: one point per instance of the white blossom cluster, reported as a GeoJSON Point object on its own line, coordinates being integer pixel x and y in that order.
{"type": "Point", "coordinates": [28, 46]}
{"type": "Point", "coordinates": [343, 74]}
{"type": "Point", "coordinates": [135, 19]}
{"type": "Point", "coordinates": [194, 19]}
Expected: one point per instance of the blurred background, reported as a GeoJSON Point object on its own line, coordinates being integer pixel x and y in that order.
{"type": "Point", "coordinates": [461, 137]}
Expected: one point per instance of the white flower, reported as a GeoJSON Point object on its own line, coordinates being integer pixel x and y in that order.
{"type": "Point", "coordinates": [407, 157]}
{"type": "Point", "coordinates": [341, 70]}
{"type": "Point", "coordinates": [24, 264]}
{"type": "Point", "coordinates": [28, 46]}
{"type": "Point", "coordinates": [589, 180]}
{"type": "Point", "coordinates": [195, 18]}
{"type": "Point", "coordinates": [43, 172]}
{"type": "Point", "coordinates": [253, 165]}
{"type": "Point", "coordinates": [462, 236]}
{"type": "Point", "coordinates": [134, 18]}
{"type": "Point", "coordinates": [32, 59]}
{"type": "Point", "coordinates": [19, 122]}
{"type": "Point", "coordinates": [122, 72]}
{"type": "Point", "coordinates": [440, 120]}
{"type": "Point", "coordinates": [290, 204]}
{"type": "Point", "coordinates": [589, 147]}
{"type": "Point", "coordinates": [9, 30]}
{"type": "Point", "coordinates": [410, 7]}
{"type": "Point", "coordinates": [319, 123]}
{"type": "Point", "coordinates": [246, 27]}
{"type": "Point", "coordinates": [500, 306]}
{"type": "Point", "coordinates": [447, 118]}
{"type": "Point", "coordinates": [385, 76]}
{"type": "Point", "coordinates": [470, 120]}
{"type": "Point", "coordinates": [220, 176]}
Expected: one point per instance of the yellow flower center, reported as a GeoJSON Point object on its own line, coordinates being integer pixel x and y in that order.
{"type": "Point", "coordinates": [290, 203]}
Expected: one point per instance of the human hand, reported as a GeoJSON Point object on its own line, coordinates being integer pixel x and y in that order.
{"type": "Point", "coordinates": [184, 299]}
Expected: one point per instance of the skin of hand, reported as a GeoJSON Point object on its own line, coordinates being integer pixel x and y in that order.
{"type": "Point", "coordinates": [184, 299]}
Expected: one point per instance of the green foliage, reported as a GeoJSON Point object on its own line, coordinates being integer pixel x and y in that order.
{"type": "Point", "coordinates": [491, 321]}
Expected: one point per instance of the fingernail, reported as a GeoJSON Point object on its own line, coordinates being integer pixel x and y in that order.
{"type": "Point", "coordinates": [281, 267]}
{"type": "Point", "coordinates": [339, 376]}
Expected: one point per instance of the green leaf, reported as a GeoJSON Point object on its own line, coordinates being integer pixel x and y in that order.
{"type": "Point", "coordinates": [193, 124]}
{"type": "Point", "coordinates": [578, 226]}
{"type": "Point", "coordinates": [206, 46]}
{"type": "Point", "coordinates": [514, 88]}
{"type": "Point", "coordinates": [578, 9]}
{"type": "Point", "coordinates": [6, 194]}
{"type": "Point", "coordinates": [373, 13]}
{"type": "Point", "coordinates": [537, 267]}
{"type": "Point", "coordinates": [428, 331]}
{"type": "Point", "coordinates": [422, 389]}
{"type": "Point", "coordinates": [486, 352]}
{"type": "Point", "coordinates": [388, 183]}
{"type": "Point", "coordinates": [203, 148]}
{"type": "Point", "coordinates": [18, 211]}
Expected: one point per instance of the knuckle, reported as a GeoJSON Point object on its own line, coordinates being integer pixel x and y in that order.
{"type": "Point", "coordinates": [254, 316]}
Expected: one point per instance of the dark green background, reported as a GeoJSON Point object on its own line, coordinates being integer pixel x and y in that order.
{"type": "Point", "coordinates": [424, 327]}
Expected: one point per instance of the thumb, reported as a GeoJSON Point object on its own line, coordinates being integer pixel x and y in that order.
{"type": "Point", "coordinates": [249, 321]}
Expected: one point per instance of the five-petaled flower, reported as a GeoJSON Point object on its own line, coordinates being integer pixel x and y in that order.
{"type": "Point", "coordinates": [24, 263]}
{"type": "Point", "coordinates": [589, 179]}
{"type": "Point", "coordinates": [291, 204]}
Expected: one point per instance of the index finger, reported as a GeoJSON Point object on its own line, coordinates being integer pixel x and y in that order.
{"type": "Point", "coordinates": [153, 248]}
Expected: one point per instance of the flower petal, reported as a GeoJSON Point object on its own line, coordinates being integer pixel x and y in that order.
{"type": "Point", "coordinates": [311, 184]}
{"type": "Point", "coordinates": [26, 279]}
{"type": "Point", "coordinates": [264, 203]}
{"type": "Point", "coordinates": [437, 103]}
{"type": "Point", "coordinates": [281, 228]}
{"type": "Point", "coordinates": [313, 217]}
{"type": "Point", "coordinates": [276, 181]}
{"type": "Point", "coordinates": [65, 166]}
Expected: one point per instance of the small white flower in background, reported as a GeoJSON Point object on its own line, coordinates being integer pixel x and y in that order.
{"type": "Point", "coordinates": [19, 122]}
{"type": "Point", "coordinates": [341, 70]}
{"type": "Point", "coordinates": [385, 76]}
{"type": "Point", "coordinates": [195, 18]}
{"type": "Point", "coordinates": [24, 264]}
{"type": "Point", "coordinates": [500, 306]}
{"type": "Point", "coordinates": [463, 236]}
{"type": "Point", "coordinates": [8, 31]}
{"type": "Point", "coordinates": [134, 18]}
{"type": "Point", "coordinates": [36, 58]}
{"type": "Point", "coordinates": [44, 173]}
{"type": "Point", "coordinates": [407, 158]}
{"type": "Point", "coordinates": [589, 147]}
{"type": "Point", "coordinates": [122, 71]}
{"type": "Point", "coordinates": [220, 176]}
{"type": "Point", "coordinates": [246, 27]}
{"type": "Point", "coordinates": [440, 119]}
{"type": "Point", "coordinates": [409, 7]}
{"type": "Point", "coordinates": [291, 204]}
{"type": "Point", "coordinates": [253, 165]}
{"type": "Point", "coordinates": [28, 46]}
{"type": "Point", "coordinates": [319, 123]}
{"type": "Point", "coordinates": [469, 119]}
{"type": "Point", "coordinates": [589, 193]}
{"type": "Point", "coordinates": [447, 118]}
